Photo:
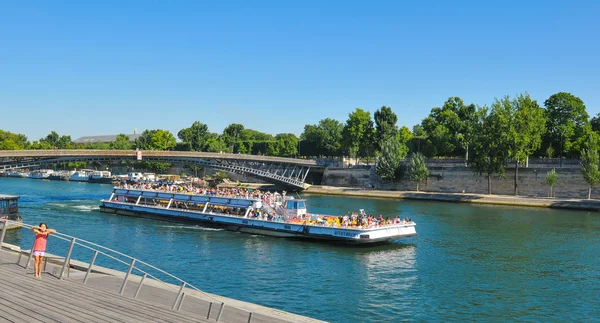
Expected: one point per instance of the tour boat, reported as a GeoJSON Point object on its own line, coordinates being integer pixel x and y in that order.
{"type": "Point", "coordinates": [280, 217]}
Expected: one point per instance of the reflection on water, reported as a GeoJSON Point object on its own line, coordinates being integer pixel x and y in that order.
{"type": "Point", "coordinates": [468, 263]}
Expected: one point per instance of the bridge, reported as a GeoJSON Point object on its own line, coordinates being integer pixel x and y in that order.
{"type": "Point", "coordinates": [288, 171]}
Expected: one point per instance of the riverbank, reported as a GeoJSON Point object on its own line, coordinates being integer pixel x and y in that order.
{"type": "Point", "coordinates": [576, 204]}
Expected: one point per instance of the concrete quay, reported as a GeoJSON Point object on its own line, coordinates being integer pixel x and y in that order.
{"type": "Point", "coordinates": [27, 299]}
{"type": "Point", "coordinates": [557, 203]}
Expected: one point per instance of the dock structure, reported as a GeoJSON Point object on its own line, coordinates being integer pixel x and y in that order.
{"type": "Point", "coordinates": [74, 291]}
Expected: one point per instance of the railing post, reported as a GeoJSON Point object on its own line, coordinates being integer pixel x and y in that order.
{"type": "Point", "coordinates": [209, 309]}
{"type": "Point", "coordinates": [178, 295]}
{"type": "Point", "coordinates": [140, 285]}
{"type": "Point", "coordinates": [67, 258]}
{"type": "Point", "coordinates": [181, 301]}
{"type": "Point", "coordinates": [4, 225]}
{"type": "Point", "coordinates": [250, 318]}
{"type": "Point", "coordinates": [29, 258]}
{"type": "Point", "coordinates": [90, 267]}
{"type": "Point", "coordinates": [220, 311]}
{"type": "Point", "coordinates": [127, 277]}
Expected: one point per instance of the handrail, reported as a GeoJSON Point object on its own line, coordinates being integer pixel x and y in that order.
{"type": "Point", "coordinates": [105, 251]}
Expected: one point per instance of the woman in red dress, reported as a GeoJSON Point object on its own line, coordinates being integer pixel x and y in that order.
{"type": "Point", "coordinates": [39, 247]}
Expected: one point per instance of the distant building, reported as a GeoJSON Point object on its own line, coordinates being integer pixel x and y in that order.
{"type": "Point", "coordinates": [104, 139]}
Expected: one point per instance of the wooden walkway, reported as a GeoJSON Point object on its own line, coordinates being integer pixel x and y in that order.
{"type": "Point", "coordinates": [24, 298]}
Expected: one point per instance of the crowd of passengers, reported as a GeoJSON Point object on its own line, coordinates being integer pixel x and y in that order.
{"type": "Point", "coordinates": [355, 220]}
{"type": "Point", "coordinates": [190, 189]}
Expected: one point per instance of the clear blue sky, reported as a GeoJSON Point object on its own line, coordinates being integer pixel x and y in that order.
{"type": "Point", "coordinates": [107, 67]}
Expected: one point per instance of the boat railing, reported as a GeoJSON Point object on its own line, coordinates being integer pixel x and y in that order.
{"type": "Point", "coordinates": [149, 274]}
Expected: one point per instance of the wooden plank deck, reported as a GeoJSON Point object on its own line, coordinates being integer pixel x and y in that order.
{"type": "Point", "coordinates": [24, 298]}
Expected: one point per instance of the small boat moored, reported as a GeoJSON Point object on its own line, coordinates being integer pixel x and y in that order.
{"type": "Point", "coordinates": [101, 176]}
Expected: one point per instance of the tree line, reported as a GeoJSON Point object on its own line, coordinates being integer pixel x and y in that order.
{"type": "Point", "coordinates": [487, 137]}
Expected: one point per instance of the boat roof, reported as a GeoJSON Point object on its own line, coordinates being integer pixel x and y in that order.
{"type": "Point", "coordinates": [8, 197]}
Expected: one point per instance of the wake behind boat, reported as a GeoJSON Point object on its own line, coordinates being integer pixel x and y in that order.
{"type": "Point", "coordinates": [254, 212]}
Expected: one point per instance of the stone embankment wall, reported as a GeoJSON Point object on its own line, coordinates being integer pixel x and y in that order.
{"type": "Point", "coordinates": [459, 179]}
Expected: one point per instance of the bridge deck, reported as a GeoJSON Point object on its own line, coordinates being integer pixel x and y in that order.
{"type": "Point", "coordinates": [27, 299]}
{"type": "Point", "coordinates": [149, 153]}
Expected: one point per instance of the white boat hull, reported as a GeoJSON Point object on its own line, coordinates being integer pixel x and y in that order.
{"type": "Point", "coordinates": [263, 227]}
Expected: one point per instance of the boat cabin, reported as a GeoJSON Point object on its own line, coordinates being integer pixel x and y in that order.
{"type": "Point", "coordinates": [9, 207]}
{"type": "Point", "coordinates": [294, 208]}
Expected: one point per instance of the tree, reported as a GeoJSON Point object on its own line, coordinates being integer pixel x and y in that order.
{"type": "Point", "coordinates": [215, 144]}
{"type": "Point", "coordinates": [385, 125]}
{"type": "Point", "coordinates": [388, 163]}
{"type": "Point", "coordinates": [324, 138]}
{"type": "Point", "coordinates": [232, 134]}
{"type": "Point", "coordinates": [287, 145]}
{"type": "Point", "coordinates": [589, 164]}
{"type": "Point", "coordinates": [163, 140]}
{"type": "Point", "coordinates": [51, 139]}
{"type": "Point", "coordinates": [157, 167]}
{"type": "Point", "coordinates": [450, 128]}
{"type": "Point", "coordinates": [491, 145]}
{"type": "Point", "coordinates": [418, 169]}
{"type": "Point", "coordinates": [13, 141]}
{"type": "Point", "coordinates": [121, 143]}
{"type": "Point", "coordinates": [144, 141]}
{"type": "Point", "coordinates": [595, 123]}
{"type": "Point", "coordinates": [527, 128]}
{"type": "Point", "coordinates": [358, 133]}
{"type": "Point", "coordinates": [64, 142]}
{"type": "Point", "coordinates": [551, 180]}
{"type": "Point", "coordinates": [196, 135]}
{"type": "Point", "coordinates": [567, 123]}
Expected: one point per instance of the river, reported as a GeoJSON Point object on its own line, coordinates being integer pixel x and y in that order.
{"type": "Point", "coordinates": [468, 263]}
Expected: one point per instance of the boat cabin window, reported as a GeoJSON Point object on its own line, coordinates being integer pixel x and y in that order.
{"type": "Point", "coordinates": [293, 205]}
{"type": "Point", "coordinates": [9, 206]}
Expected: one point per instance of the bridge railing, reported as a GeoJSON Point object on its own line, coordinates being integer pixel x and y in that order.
{"type": "Point", "coordinates": [147, 272]}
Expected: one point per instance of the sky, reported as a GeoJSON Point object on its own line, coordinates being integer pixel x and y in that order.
{"type": "Point", "coordinates": [107, 67]}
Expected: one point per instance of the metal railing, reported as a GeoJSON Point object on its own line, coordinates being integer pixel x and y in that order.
{"type": "Point", "coordinates": [131, 263]}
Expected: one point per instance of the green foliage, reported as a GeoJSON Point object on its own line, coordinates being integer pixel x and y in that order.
{"type": "Point", "coordinates": [549, 152]}
{"type": "Point", "coordinates": [232, 133]}
{"type": "Point", "coordinates": [215, 144]}
{"type": "Point", "coordinates": [121, 143]}
{"type": "Point", "coordinates": [12, 141]}
{"type": "Point", "coordinates": [358, 134]}
{"type": "Point", "coordinates": [388, 163]}
{"type": "Point", "coordinates": [450, 129]}
{"type": "Point", "coordinates": [417, 170]}
{"type": "Point", "coordinates": [551, 178]}
{"type": "Point", "coordinates": [491, 147]}
{"type": "Point", "coordinates": [183, 146]}
{"type": "Point", "coordinates": [253, 135]}
{"type": "Point", "coordinates": [322, 139]}
{"type": "Point", "coordinates": [197, 135]}
{"type": "Point", "coordinates": [589, 163]}
{"type": "Point", "coordinates": [54, 140]}
{"type": "Point", "coordinates": [157, 167]}
{"type": "Point", "coordinates": [567, 123]}
{"type": "Point", "coordinates": [385, 125]}
{"type": "Point", "coordinates": [156, 140]}
{"type": "Point", "coordinates": [595, 123]}
{"type": "Point", "coordinates": [220, 176]}
{"type": "Point", "coordinates": [163, 140]}
{"type": "Point", "coordinates": [287, 145]}
{"type": "Point", "coordinates": [527, 126]}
